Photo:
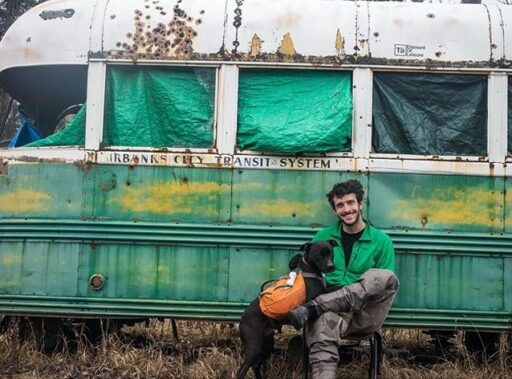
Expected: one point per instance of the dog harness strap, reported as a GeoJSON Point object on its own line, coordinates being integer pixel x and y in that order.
{"type": "Point", "coordinates": [315, 276]}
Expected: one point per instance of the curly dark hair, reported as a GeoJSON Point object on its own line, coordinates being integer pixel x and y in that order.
{"type": "Point", "coordinates": [346, 188]}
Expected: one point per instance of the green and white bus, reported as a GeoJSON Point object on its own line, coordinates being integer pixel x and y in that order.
{"type": "Point", "coordinates": [206, 134]}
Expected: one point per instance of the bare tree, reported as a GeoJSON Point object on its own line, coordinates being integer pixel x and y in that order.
{"type": "Point", "coordinates": [10, 10]}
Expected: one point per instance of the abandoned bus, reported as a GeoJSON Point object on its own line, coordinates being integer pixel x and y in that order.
{"type": "Point", "coordinates": [169, 157]}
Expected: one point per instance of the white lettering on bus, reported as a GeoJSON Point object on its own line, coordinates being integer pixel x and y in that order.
{"type": "Point", "coordinates": [304, 163]}
{"type": "Point", "coordinates": [222, 160]}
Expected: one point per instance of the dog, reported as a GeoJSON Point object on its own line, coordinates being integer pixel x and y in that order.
{"type": "Point", "coordinates": [257, 330]}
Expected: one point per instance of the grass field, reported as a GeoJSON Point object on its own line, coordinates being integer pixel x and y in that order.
{"type": "Point", "coordinates": [212, 350]}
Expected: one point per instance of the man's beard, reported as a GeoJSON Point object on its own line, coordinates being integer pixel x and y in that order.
{"type": "Point", "coordinates": [354, 222]}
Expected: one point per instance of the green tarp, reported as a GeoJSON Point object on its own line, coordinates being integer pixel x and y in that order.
{"type": "Point", "coordinates": [510, 115]}
{"type": "Point", "coordinates": [430, 114]}
{"type": "Point", "coordinates": [294, 111]}
{"type": "Point", "coordinates": [72, 135]}
{"type": "Point", "coordinates": [159, 107]}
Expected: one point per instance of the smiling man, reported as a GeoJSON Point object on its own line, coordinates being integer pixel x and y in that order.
{"type": "Point", "coordinates": [362, 285]}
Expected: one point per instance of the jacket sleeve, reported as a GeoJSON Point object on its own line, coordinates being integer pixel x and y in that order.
{"type": "Point", "coordinates": [386, 258]}
{"type": "Point", "coordinates": [319, 236]}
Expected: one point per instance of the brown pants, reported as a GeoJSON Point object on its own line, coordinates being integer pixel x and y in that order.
{"type": "Point", "coordinates": [357, 309]}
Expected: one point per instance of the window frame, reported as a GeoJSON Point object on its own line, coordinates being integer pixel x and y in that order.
{"type": "Point", "coordinates": [333, 154]}
{"type": "Point", "coordinates": [491, 164]}
{"type": "Point", "coordinates": [436, 157]}
{"type": "Point", "coordinates": [360, 159]}
{"type": "Point", "coordinates": [97, 111]}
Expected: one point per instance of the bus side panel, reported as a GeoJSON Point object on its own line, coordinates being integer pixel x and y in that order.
{"type": "Point", "coordinates": [163, 194]}
{"type": "Point", "coordinates": [508, 197]}
{"type": "Point", "coordinates": [507, 282]}
{"type": "Point", "coordinates": [149, 271]}
{"type": "Point", "coordinates": [295, 198]}
{"type": "Point", "coordinates": [45, 191]}
{"type": "Point", "coordinates": [182, 273]}
{"type": "Point", "coordinates": [436, 202]}
{"type": "Point", "coordinates": [451, 254]}
{"type": "Point", "coordinates": [38, 268]}
{"type": "Point", "coordinates": [442, 281]}
{"type": "Point", "coordinates": [250, 267]}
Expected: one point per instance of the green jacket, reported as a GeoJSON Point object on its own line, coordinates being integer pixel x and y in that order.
{"type": "Point", "coordinates": [373, 250]}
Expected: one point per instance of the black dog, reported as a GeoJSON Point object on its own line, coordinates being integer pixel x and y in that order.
{"type": "Point", "coordinates": [257, 330]}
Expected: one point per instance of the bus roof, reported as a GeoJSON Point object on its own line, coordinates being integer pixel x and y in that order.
{"type": "Point", "coordinates": [292, 31]}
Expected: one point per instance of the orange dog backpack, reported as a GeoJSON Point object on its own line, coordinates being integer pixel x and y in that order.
{"type": "Point", "coordinates": [285, 294]}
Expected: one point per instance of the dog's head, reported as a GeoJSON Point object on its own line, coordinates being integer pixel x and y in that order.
{"type": "Point", "coordinates": [320, 255]}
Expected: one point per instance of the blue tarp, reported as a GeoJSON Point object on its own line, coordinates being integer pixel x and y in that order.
{"type": "Point", "coordinates": [26, 134]}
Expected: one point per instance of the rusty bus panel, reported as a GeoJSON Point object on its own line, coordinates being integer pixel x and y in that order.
{"type": "Point", "coordinates": [329, 32]}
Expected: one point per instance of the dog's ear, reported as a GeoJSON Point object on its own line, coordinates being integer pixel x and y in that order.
{"type": "Point", "coordinates": [333, 243]}
{"type": "Point", "coordinates": [294, 262]}
{"type": "Point", "coordinates": [306, 246]}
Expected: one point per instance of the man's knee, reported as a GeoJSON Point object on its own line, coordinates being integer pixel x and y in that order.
{"type": "Point", "coordinates": [391, 280]}
{"type": "Point", "coordinates": [382, 281]}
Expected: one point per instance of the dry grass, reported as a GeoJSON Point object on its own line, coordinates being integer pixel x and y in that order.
{"type": "Point", "coordinates": [212, 350]}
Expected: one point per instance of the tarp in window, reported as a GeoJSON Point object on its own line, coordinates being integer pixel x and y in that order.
{"type": "Point", "coordinates": [159, 107]}
{"type": "Point", "coordinates": [430, 114]}
{"type": "Point", "coordinates": [294, 111]}
{"type": "Point", "coordinates": [26, 134]}
{"type": "Point", "coordinates": [73, 134]}
{"type": "Point", "coordinates": [510, 115]}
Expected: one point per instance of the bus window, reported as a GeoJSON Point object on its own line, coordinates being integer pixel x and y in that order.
{"type": "Point", "coordinates": [430, 114]}
{"type": "Point", "coordinates": [510, 115]}
{"type": "Point", "coordinates": [70, 129]}
{"type": "Point", "coordinates": [159, 107]}
{"type": "Point", "coordinates": [8, 118]}
{"type": "Point", "coordinates": [44, 100]}
{"type": "Point", "coordinates": [294, 111]}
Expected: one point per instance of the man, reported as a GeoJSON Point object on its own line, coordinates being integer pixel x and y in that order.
{"type": "Point", "coordinates": [363, 283]}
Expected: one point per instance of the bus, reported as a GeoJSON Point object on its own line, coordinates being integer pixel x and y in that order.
{"type": "Point", "coordinates": [169, 157]}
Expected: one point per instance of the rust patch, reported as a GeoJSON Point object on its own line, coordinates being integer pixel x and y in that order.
{"type": "Point", "coordinates": [84, 166]}
{"type": "Point", "coordinates": [51, 15]}
{"type": "Point", "coordinates": [29, 159]}
{"type": "Point", "coordinates": [3, 167]}
{"type": "Point", "coordinates": [163, 40]}
{"type": "Point", "coordinates": [30, 54]}
{"type": "Point", "coordinates": [332, 60]}
{"type": "Point", "coordinates": [340, 44]}
{"type": "Point", "coordinates": [107, 185]}
{"type": "Point", "coordinates": [287, 47]}
{"type": "Point", "coordinates": [237, 23]}
{"type": "Point", "coordinates": [255, 45]}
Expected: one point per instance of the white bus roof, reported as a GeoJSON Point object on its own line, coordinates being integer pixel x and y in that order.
{"type": "Point", "coordinates": [295, 31]}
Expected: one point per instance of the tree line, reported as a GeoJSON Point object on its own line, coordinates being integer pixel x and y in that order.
{"type": "Point", "coordinates": [10, 10]}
